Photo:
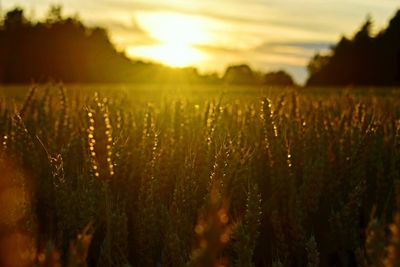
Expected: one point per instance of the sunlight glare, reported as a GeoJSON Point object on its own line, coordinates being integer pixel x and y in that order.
{"type": "Point", "coordinates": [174, 55]}
{"type": "Point", "coordinates": [175, 28]}
{"type": "Point", "coordinates": [176, 34]}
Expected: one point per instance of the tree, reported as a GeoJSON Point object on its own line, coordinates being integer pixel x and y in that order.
{"type": "Point", "coordinates": [239, 74]}
{"type": "Point", "coordinates": [364, 34]}
{"type": "Point", "coordinates": [362, 60]}
{"type": "Point", "coordinates": [280, 78]}
{"type": "Point", "coordinates": [54, 14]}
{"type": "Point", "coordinates": [317, 63]}
{"type": "Point", "coordinates": [14, 19]}
{"type": "Point", "coordinates": [62, 48]}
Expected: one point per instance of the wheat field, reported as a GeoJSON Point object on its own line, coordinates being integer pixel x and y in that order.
{"type": "Point", "coordinates": [199, 177]}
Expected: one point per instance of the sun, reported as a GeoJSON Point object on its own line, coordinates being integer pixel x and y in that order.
{"type": "Point", "coordinates": [174, 55]}
{"type": "Point", "coordinates": [176, 35]}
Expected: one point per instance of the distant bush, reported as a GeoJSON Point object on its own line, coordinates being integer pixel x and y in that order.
{"type": "Point", "coordinates": [239, 74]}
{"type": "Point", "coordinates": [280, 78]}
{"type": "Point", "coordinates": [244, 75]}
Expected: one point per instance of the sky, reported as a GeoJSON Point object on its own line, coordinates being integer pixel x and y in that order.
{"type": "Point", "coordinates": [210, 35]}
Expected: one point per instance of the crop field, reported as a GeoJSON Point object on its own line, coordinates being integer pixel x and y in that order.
{"type": "Point", "coordinates": [195, 176]}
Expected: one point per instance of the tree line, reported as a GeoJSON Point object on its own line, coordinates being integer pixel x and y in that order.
{"type": "Point", "coordinates": [362, 60]}
{"type": "Point", "coordinates": [64, 49]}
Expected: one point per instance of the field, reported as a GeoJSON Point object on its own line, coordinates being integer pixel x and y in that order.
{"type": "Point", "coordinates": [199, 176]}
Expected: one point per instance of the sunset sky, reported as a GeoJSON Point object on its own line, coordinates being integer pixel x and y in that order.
{"type": "Point", "coordinates": [211, 34]}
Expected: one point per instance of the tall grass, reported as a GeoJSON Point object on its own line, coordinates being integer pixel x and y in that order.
{"type": "Point", "coordinates": [290, 180]}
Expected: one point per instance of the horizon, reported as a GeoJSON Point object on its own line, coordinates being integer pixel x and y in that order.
{"type": "Point", "coordinates": [212, 36]}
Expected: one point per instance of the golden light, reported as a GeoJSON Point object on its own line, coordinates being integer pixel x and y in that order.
{"type": "Point", "coordinates": [176, 34]}
{"type": "Point", "coordinates": [173, 55]}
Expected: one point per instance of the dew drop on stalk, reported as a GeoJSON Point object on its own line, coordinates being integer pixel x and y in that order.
{"type": "Point", "coordinates": [224, 238]}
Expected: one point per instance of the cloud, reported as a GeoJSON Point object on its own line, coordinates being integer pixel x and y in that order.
{"type": "Point", "coordinates": [216, 48]}
{"type": "Point", "coordinates": [255, 12]}
{"type": "Point", "coordinates": [293, 52]}
{"type": "Point", "coordinates": [269, 56]}
{"type": "Point", "coordinates": [294, 47]}
{"type": "Point", "coordinates": [126, 34]}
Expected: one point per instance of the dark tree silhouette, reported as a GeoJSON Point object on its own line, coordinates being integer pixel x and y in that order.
{"type": "Point", "coordinates": [362, 60]}
{"type": "Point", "coordinates": [280, 78]}
{"type": "Point", "coordinates": [14, 19]}
{"type": "Point", "coordinates": [243, 75]}
{"type": "Point", "coordinates": [239, 74]}
{"type": "Point", "coordinates": [60, 48]}
{"type": "Point", "coordinates": [63, 48]}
